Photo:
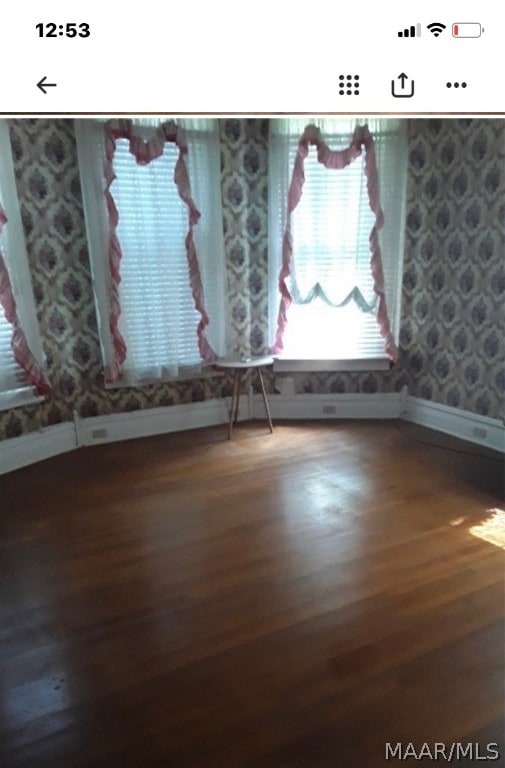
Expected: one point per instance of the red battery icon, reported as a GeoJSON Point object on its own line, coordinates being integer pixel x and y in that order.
{"type": "Point", "coordinates": [467, 30]}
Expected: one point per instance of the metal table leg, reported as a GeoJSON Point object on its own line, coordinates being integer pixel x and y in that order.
{"type": "Point", "coordinates": [260, 375]}
{"type": "Point", "coordinates": [235, 399]}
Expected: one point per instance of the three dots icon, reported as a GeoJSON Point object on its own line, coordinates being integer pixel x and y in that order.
{"type": "Point", "coordinates": [348, 85]}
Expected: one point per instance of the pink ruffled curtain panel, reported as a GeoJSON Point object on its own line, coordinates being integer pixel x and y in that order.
{"type": "Point", "coordinates": [144, 152]}
{"type": "Point", "coordinates": [20, 349]}
{"type": "Point", "coordinates": [334, 160]}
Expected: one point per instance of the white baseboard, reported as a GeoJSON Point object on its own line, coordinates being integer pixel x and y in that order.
{"type": "Point", "coordinates": [332, 406]}
{"type": "Point", "coordinates": [155, 421]}
{"type": "Point", "coordinates": [36, 446]}
{"type": "Point", "coordinates": [27, 449]}
{"type": "Point", "coordinates": [17, 452]}
{"type": "Point", "coordinates": [454, 421]}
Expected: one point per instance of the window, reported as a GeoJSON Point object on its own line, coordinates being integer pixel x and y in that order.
{"type": "Point", "coordinates": [167, 308]}
{"type": "Point", "coordinates": [22, 379]}
{"type": "Point", "coordinates": [333, 314]}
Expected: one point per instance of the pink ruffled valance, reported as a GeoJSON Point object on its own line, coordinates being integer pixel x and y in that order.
{"type": "Point", "coordinates": [334, 160]}
{"type": "Point", "coordinates": [19, 345]}
{"type": "Point", "coordinates": [144, 152]}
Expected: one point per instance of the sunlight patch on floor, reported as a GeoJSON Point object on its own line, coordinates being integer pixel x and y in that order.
{"type": "Point", "coordinates": [492, 529]}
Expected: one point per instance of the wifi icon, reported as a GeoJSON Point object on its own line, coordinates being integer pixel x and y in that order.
{"type": "Point", "coordinates": [436, 28]}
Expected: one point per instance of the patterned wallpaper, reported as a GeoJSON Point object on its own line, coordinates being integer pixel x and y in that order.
{"type": "Point", "coordinates": [245, 200]}
{"type": "Point", "coordinates": [454, 284]}
{"type": "Point", "coordinates": [453, 326]}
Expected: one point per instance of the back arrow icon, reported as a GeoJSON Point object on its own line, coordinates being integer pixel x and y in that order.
{"type": "Point", "coordinates": [43, 85]}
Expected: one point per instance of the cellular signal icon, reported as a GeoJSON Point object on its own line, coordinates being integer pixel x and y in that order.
{"type": "Point", "coordinates": [413, 31]}
{"type": "Point", "coordinates": [436, 28]}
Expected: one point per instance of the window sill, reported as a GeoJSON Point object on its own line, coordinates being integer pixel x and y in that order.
{"type": "Point", "coordinates": [131, 383]}
{"type": "Point", "coordinates": [283, 365]}
{"type": "Point", "coordinates": [17, 399]}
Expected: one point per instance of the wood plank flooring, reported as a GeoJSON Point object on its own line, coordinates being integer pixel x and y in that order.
{"type": "Point", "coordinates": [288, 600]}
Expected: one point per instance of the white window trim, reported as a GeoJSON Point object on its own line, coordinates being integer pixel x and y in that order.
{"type": "Point", "coordinates": [286, 364]}
{"type": "Point", "coordinates": [89, 135]}
{"type": "Point", "coordinates": [19, 270]}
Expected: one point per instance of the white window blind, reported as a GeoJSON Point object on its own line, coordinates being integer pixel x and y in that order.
{"type": "Point", "coordinates": [333, 314]}
{"type": "Point", "coordinates": [13, 384]}
{"type": "Point", "coordinates": [158, 318]}
{"type": "Point", "coordinates": [14, 387]}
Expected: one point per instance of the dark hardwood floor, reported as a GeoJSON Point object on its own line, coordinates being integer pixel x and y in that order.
{"type": "Point", "coordinates": [295, 599]}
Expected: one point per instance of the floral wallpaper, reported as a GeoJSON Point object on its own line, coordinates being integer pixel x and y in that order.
{"type": "Point", "coordinates": [452, 330]}
{"type": "Point", "coordinates": [453, 304]}
{"type": "Point", "coordinates": [245, 200]}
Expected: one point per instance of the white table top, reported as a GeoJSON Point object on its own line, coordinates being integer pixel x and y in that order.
{"type": "Point", "coordinates": [247, 362]}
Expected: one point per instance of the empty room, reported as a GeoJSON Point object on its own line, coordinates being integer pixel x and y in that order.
{"type": "Point", "coordinates": [252, 386]}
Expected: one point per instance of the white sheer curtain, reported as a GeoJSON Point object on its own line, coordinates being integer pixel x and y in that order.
{"type": "Point", "coordinates": [15, 389]}
{"type": "Point", "coordinates": [334, 306]}
{"type": "Point", "coordinates": [158, 318]}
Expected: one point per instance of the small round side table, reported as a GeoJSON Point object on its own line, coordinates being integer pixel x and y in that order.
{"type": "Point", "coordinates": [239, 365]}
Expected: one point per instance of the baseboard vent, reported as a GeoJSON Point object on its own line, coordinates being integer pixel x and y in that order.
{"type": "Point", "coordinates": [99, 434]}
